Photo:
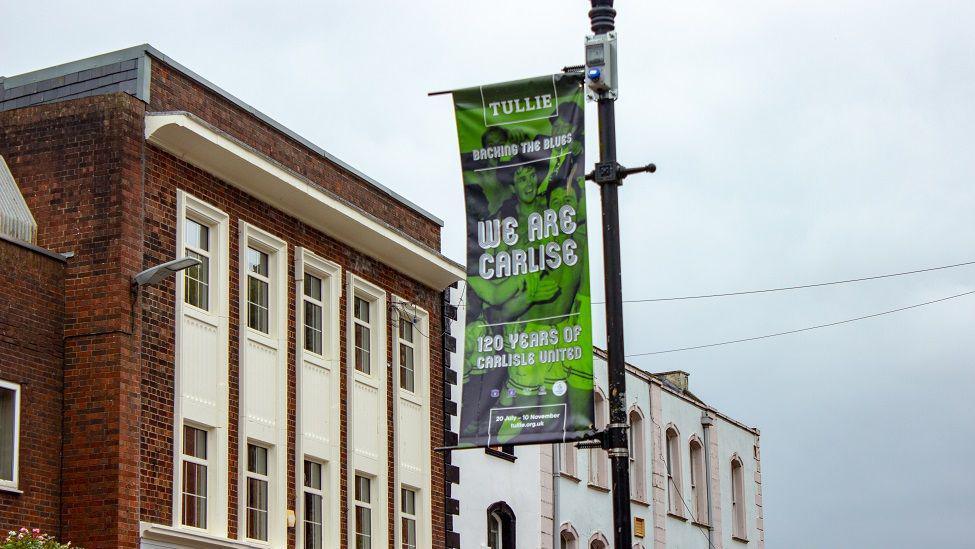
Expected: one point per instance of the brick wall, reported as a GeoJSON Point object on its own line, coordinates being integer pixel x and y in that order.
{"type": "Point", "coordinates": [78, 165]}
{"type": "Point", "coordinates": [170, 90]}
{"type": "Point", "coordinates": [31, 317]}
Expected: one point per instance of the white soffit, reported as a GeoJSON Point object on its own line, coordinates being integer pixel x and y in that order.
{"type": "Point", "coordinates": [188, 138]}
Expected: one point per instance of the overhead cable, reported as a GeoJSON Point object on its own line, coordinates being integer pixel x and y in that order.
{"type": "Point", "coordinates": [801, 329]}
{"type": "Point", "coordinates": [784, 288]}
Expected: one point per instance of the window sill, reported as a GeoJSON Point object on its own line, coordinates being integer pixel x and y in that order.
{"type": "Point", "coordinates": [502, 455]}
{"type": "Point", "coordinates": [263, 338]}
{"type": "Point", "coordinates": [676, 516]}
{"type": "Point", "coordinates": [599, 488]}
{"type": "Point", "coordinates": [571, 477]}
{"type": "Point", "coordinates": [701, 524]}
{"type": "Point", "coordinates": [738, 539]}
{"type": "Point", "coordinates": [640, 501]}
{"type": "Point", "coordinates": [10, 489]}
{"type": "Point", "coordinates": [410, 396]}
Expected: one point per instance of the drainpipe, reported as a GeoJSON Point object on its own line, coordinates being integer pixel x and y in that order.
{"type": "Point", "coordinates": [556, 525]}
{"type": "Point", "coordinates": [707, 422]}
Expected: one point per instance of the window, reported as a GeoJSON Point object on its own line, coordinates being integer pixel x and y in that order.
{"type": "Point", "coordinates": [500, 526]}
{"type": "Point", "coordinates": [494, 531]}
{"type": "Point", "coordinates": [258, 284]}
{"type": "Point", "coordinates": [9, 433]}
{"type": "Point", "coordinates": [313, 313]}
{"type": "Point", "coordinates": [568, 538]}
{"type": "Point", "coordinates": [504, 451]}
{"type": "Point", "coordinates": [598, 541]}
{"type": "Point", "coordinates": [737, 499]}
{"type": "Point", "coordinates": [568, 457]}
{"type": "Point", "coordinates": [197, 279]}
{"type": "Point", "coordinates": [674, 479]}
{"type": "Point", "coordinates": [598, 462]}
{"type": "Point", "coordinates": [638, 459]}
{"type": "Point", "coordinates": [699, 496]}
{"type": "Point", "coordinates": [194, 477]}
{"type": "Point", "coordinates": [314, 518]}
{"type": "Point", "coordinates": [363, 512]}
{"type": "Point", "coordinates": [407, 352]}
{"type": "Point", "coordinates": [257, 492]}
{"type": "Point", "coordinates": [363, 336]}
{"type": "Point", "coordinates": [408, 518]}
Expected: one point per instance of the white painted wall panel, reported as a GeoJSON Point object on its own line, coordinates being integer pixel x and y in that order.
{"type": "Point", "coordinates": [366, 438]}
{"type": "Point", "coordinates": [261, 390]}
{"type": "Point", "coordinates": [412, 444]}
{"type": "Point", "coordinates": [316, 403]}
{"type": "Point", "coordinates": [200, 371]}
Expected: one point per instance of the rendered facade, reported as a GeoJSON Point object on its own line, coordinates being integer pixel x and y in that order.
{"type": "Point", "coordinates": [287, 391]}
{"type": "Point", "coordinates": [695, 479]}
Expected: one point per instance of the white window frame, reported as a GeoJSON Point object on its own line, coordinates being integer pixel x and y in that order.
{"type": "Point", "coordinates": [415, 517]}
{"type": "Point", "coordinates": [367, 505]}
{"type": "Point", "coordinates": [331, 275]}
{"type": "Point", "coordinates": [267, 478]}
{"type": "Point", "coordinates": [267, 279]}
{"type": "Point", "coordinates": [207, 463]}
{"type": "Point", "coordinates": [320, 492]}
{"type": "Point", "coordinates": [203, 221]}
{"type": "Point", "coordinates": [11, 485]}
{"type": "Point", "coordinates": [368, 325]}
{"type": "Point", "coordinates": [321, 303]}
{"type": "Point", "coordinates": [397, 354]}
{"type": "Point", "coordinates": [217, 314]}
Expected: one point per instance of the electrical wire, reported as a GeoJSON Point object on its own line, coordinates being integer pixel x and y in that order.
{"type": "Point", "coordinates": [899, 309]}
{"type": "Point", "coordinates": [785, 288]}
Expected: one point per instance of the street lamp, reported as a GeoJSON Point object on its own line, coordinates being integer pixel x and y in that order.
{"type": "Point", "coordinates": [154, 275]}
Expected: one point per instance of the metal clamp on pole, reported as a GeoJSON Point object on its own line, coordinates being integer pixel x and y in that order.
{"type": "Point", "coordinates": [613, 172]}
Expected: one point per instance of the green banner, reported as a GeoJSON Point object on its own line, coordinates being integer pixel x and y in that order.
{"type": "Point", "coordinates": [527, 374]}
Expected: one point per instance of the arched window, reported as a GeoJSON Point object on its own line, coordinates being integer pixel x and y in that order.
{"type": "Point", "coordinates": [699, 487]}
{"type": "Point", "coordinates": [500, 526]}
{"type": "Point", "coordinates": [568, 538]}
{"type": "Point", "coordinates": [675, 482]}
{"type": "Point", "coordinates": [598, 462]}
{"type": "Point", "coordinates": [598, 541]}
{"type": "Point", "coordinates": [568, 456]}
{"type": "Point", "coordinates": [737, 498]}
{"type": "Point", "coordinates": [638, 456]}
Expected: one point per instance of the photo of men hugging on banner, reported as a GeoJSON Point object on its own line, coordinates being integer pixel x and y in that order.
{"type": "Point", "coordinates": [527, 371]}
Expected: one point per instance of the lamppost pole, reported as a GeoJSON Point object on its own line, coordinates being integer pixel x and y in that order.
{"type": "Point", "coordinates": [602, 17]}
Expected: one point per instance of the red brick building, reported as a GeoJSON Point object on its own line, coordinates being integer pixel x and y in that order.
{"type": "Point", "coordinates": [287, 391]}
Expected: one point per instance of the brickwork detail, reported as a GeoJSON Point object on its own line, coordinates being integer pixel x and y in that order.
{"type": "Point", "coordinates": [31, 318]}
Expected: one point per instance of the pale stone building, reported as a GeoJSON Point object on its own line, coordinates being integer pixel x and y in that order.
{"type": "Point", "coordinates": [695, 479]}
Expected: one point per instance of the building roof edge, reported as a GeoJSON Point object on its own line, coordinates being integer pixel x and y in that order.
{"type": "Point", "coordinates": [148, 49]}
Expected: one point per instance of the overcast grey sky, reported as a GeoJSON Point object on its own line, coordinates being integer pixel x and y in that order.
{"type": "Point", "coordinates": [796, 142]}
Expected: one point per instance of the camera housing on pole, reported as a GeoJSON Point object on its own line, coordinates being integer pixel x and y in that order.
{"type": "Point", "coordinates": [602, 78]}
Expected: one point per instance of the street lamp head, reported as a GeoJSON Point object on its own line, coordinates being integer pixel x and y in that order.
{"type": "Point", "coordinates": [154, 275]}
